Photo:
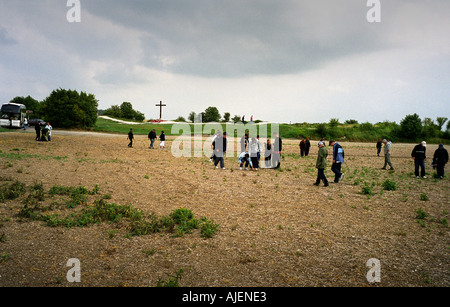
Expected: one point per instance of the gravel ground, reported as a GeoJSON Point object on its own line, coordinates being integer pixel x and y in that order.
{"type": "Point", "coordinates": [276, 228]}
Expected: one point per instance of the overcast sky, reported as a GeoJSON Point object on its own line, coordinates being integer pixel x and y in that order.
{"type": "Point", "coordinates": [280, 61]}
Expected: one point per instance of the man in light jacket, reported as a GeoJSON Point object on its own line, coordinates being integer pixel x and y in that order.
{"type": "Point", "coordinates": [387, 154]}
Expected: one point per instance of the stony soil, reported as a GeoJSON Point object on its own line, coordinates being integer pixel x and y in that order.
{"type": "Point", "coordinates": [276, 228]}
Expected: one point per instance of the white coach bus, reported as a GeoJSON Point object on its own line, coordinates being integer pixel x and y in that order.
{"type": "Point", "coordinates": [13, 115]}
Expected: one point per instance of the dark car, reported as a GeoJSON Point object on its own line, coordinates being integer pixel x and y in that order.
{"type": "Point", "coordinates": [35, 122]}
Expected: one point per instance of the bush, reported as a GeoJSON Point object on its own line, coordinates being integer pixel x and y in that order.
{"type": "Point", "coordinates": [389, 185]}
{"type": "Point", "coordinates": [70, 109]}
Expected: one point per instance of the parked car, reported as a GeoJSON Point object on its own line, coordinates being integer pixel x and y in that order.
{"type": "Point", "coordinates": [34, 122]}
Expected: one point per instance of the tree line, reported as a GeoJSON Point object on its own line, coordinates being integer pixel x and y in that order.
{"type": "Point", "coordinates": [72, 109]}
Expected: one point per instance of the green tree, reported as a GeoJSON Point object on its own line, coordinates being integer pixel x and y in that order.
{"type": "Point", "coordinates": [411, 127]}
{"type": "Point", "coordinates": [113, 111]}
{"type": "Point", "coordinates": [236, 119]}
{"type": "Point", "coordinates": [211, 114]}
{"type": "Point", "coordinates": [127, 110]}
{"type": "Point", "coordinates": [226, 117]}
{"type": "Point", "coordinates": [192, 117]}
{"type": "Point", "coordinates": [70, 109]}
{"type": "Point", "coordinates": [31, 104]}
{"type": "Point", "coordinates": [124, 111]}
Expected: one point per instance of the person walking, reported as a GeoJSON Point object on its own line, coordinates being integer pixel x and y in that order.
{"type": "Point", "coordinates": [268, 153]}
{"type": "Point", "coordinates": [130, 138]}
{"type": "Point", "coordinates": [244, 142]}
{"type": "Point", "coordinates": [37, 128]}
{"type": "Point", "coordinates": [379, 146]}
{"type": "Point", "coordinates": [220, 148]}
{"type": "Point", "coordinates": [419, 154]}
{"type": "Point", "coordinates": [152, 138]}
{"type": "Point", "coordinates": [277, 149]}
{"type": "Point", "coordinates": [302, 146]}
{"type": "Point", "coordinates": [162, 139]}
{"type": "Point", "coordinates": [321, 164]}
{"type": "Point", "coordinates": [338, 160]}
{"type": "Point", "coordinates": [216, 135]}
{"type": "Point", "coordinates": [387, 154]}
{"type": "Point", "coordinates": [307, 147]}
{"type": "Point", "coordinates": [440, 158]}
{"type": "Point", "coordinates": [253, 150]}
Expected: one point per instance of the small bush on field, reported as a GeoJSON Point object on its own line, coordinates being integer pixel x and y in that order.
{"type": "Point", "coordinates": [12, 191]}
{"type": "Point", "coordinates": [173, 280]}
{"type": "Point", "coordinates": [421, 214]}
{"type": "Point", "coordinates": [424, 197]}
{"type": "Point", "coordinates": [367, 190]}
{"type": "Point", "coordinates": [389, 185]}
{"type": "Point", "coordinates": [179, 222]}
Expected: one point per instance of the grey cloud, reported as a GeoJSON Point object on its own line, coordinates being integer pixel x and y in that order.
{"type": "Point", "coordinates": [238, 38]}
{"type": "Point", "coordinates": [5, 40]}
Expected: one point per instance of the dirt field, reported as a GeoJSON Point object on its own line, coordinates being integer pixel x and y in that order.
{"type": "Point", "coordinates": [276, 228]}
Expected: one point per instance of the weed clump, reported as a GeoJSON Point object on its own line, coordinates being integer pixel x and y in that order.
{"type": "Point", "coordinates": [389, 185]}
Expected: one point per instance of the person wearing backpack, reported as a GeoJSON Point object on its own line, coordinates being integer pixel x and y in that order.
{"type": "Point", "coordinates": [338, 160]}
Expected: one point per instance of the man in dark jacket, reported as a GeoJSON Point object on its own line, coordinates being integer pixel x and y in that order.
{"type": "Point", "coordinates": [37, 128]}
{"type": "Point", "coordinates": [440, 159]}
{"type": "Point", "coordinates": [419, 154]}
{"type": "Point", "coordinates": [276, 153]}
{"type": "Point", "coordinates": [220, 148]}
{"type": "Point", "coordinates": [130, 138]}
{"type": "Point", "coordinates": [152, 138]}
{"type": "Point", "coordinates": [307, 147]}
{"type": "Point", "coordinates": [379, 146]}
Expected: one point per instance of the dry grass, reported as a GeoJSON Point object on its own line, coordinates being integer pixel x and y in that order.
{"type": "Point", "coordinates": [276, 228]}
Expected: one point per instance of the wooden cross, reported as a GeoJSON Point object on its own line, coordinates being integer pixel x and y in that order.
{"type": "Point", "coordinates": [161, 105]}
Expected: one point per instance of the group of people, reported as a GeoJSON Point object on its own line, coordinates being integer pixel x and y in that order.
{"type": "Point", "coordinates": [321, 162]}
{"type": "Point", "coordinates": [43, 132]}
{"type": "Point", "coordinates": [151, 136]}
{"type": "Point", "coordinates": [418, 154]}
{"type": "Point", "coordinates": [251, 152]}
{"type": "Point", "coordinates": [304, 145]}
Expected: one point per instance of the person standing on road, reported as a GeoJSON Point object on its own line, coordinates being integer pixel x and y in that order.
{"type": "Point", "coordinates": [387, 154]}
{"type": "Point", "coordinates": [419, 154]}
{"type": "Point", "coordinates": [321, 164]}
{"type": "Point", "coordinates": [440, 159]}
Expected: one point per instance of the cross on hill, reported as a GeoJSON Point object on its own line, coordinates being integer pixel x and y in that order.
{"type": "Point", "coordinates": [161, 105]}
